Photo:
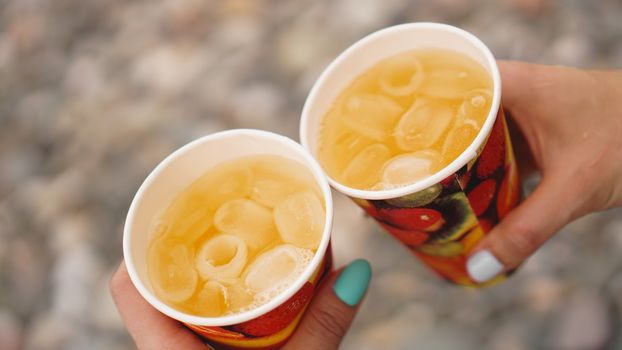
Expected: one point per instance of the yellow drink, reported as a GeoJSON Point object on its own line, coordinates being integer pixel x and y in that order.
{"type": "Point", "coordinates": [237, 236]}
{"type": "Point", "coordinates": [404, 119]}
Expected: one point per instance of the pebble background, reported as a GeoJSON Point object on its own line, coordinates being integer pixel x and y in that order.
{"type": "Point", "coordinates": [93, 94]}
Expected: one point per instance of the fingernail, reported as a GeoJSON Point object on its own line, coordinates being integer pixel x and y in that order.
{"type": "Point", "coordinates": [208, 345]}
{"type": "Point", "coordinates": [351, 285]}
{"type": "Point", "coordinates": [483, 266]}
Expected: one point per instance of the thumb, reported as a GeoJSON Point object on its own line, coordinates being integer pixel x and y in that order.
{"type": "Point", "coordinates": [523, 83]}
{"type": "Point", "coordinates": [516, 79]}
{"type": "Point", "coordinates": [523, 230]}
{"type": "Point", "coordinates": [332, 310]}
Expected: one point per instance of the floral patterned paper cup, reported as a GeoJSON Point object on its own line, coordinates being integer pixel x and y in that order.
{"type": "Point", "coordinates": [269, 325]}
{"type": "Point", "coordinates": [442, 217]}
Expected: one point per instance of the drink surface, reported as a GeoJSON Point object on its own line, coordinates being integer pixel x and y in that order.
{"type": "Point", "coordinates": [237, 236]}
{"type": "Point", "coordinates": [404, 119]}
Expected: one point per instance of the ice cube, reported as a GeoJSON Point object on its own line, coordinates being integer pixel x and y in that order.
{"type": "Point", "coordinates": [222, 257]}
{"type": "Point", "coordinates": [248, 220]}
{"type": "Point", "coordinates": [371, 115]}
{"type": "Point", "coordinates": [229, 182]}
{"type": "Point", "coordinates": [449, 78]}
{"type": "Point", "coordinates": [364, 169]}
{"type": "Point", "coordinates": [379, 186]}
{"type": "Point", "coordinates": [274, 270]}
{"type": "Point", "coordinates": [422, 125]}
{"type": "Point", "coordinates": [474, 107]}
{"type": "Point", "coordinates": [408, 168]}
{"type": "Point", "coordinates": [270, 191]}
{"type": "Point", "coordinates": [348, 144]}
{"type": "Point", "coordinates": [457, 141]}
{"type": "Point", "coordinates": [274, 181]}
{"type": "Point", "coordinates": [211, 300]}
{"type": "Point", "coordinates": [240, 298]}
{"type": "Point", "coordinates": [189, 226]}
{"type": "Point", "coordinates": [171, 270]}
{"type": "Point", "coordinates": [300, 219]}
{"type": "Point", "coordinates": [401, 76]}
{"type": "Point", "coordinates": [344, 142]}
{"type": "Point", "coordinates": [447, 84]}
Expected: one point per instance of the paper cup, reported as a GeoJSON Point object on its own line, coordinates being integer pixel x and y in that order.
{"type": "Point", "coordinates": [271, 323]}
{"type": "Point", "coordinates": [442, 217]}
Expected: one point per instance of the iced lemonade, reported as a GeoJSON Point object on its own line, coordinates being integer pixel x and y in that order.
{"type": "Point", "coordinates": [237, 236]}
{"type": "Point", "coordinates": [404, 119]}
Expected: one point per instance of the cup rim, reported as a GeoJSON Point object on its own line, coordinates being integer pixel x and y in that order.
{"type": "Point", "coordinates": [241, 317]}
{"type": "Point", "coordinates": [466, 156]}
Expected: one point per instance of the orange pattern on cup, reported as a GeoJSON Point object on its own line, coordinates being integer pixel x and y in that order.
{"type": "Point", "coordinates": [273, 329]}
{"type": "Point", "coordinates": [442, 223]}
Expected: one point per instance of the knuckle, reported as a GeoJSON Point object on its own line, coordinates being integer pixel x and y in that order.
{"type": "Point", "coordinates": [523, 240]}
{"type": "Point", "coordinates": [117, 282]}
{"type": "Point", "coordinates": [327, 322]}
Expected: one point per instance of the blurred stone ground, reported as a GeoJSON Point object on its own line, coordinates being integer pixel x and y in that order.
{"type": "Point", "coordinates": [93, 94]}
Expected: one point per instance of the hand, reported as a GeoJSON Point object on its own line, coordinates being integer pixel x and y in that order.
{"type": "Point", "coordinates": [571, 125]}
{"type": "Point", "coordinates": [323, 326]}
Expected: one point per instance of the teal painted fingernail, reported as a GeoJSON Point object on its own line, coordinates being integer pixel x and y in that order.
{"type": "Point", "coordinates": [351, 285]}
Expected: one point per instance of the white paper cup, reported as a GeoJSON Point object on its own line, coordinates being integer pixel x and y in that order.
{"type": "Point", "coordinates": [447, 257]}
{"type": "Point", "coordinates": [178, 171]}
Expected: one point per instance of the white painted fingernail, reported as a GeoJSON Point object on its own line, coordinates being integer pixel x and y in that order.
{"type": "Point", "coordinates": [483, 266]}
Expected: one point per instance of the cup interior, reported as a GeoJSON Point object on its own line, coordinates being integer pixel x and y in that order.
{"type": "Point", "coordinates": [371, 49]}
{"type": "Point", "coordinates": [179, 170]}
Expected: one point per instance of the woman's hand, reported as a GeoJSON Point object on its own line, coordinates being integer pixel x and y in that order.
{"type": "Point", "coordinates": [323, 326]}
{"type": "Point", "coordinates": [571, 126]}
